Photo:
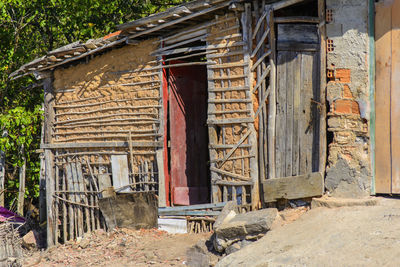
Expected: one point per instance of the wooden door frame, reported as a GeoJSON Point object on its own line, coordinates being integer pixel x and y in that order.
{"type": "Point", "coordinates": [322, 127]}
{"type": "Point", "coordinates": [288, 184]}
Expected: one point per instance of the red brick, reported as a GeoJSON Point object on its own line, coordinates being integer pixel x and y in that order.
{"type": "Point", "coordinates": [347, 92]}
{"type": "Point", "coordinates": [346, 106]}
{"type": "Point", "coordinates": [343, 75]}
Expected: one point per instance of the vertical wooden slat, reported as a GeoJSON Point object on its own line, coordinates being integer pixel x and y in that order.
{"type": "Point", "coordinates": [162, 197]}
{"type": "Point", "coordinates": [64, 204]}
{"type": "Point", "coordinates": [281, 115]}
{"type": "Point", "coordinates": [71, 210]}
{"type": "Point", "coordinates": [96, 171]}
{"type": "Point", "coordinates": [307, 120]}
{"type": "Point", "coordinates": [56, 202]}
{"type": "Point", "coordinates": [395, 96]}
{"type": "Point", "coordinates": [212, 135]}
{"type": "Point", "coordinates": [84, 197]}
{"type": "Point", "coordinates": [289, 111]}
{"type": "Point", "coordinates": [272, 98]}
{"type": "Point", "coordinates": [79, 213]}
{"type": "Point", "coordinates": [316, 111]}
{"type": "Point", "coordinates": [296, 115]}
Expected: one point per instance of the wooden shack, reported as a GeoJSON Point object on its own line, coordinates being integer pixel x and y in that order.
{"type": "Point", "coordinates": [207, 102]}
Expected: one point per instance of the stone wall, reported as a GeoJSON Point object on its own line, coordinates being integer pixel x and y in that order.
{"type": "Point", "coordinates": [349, 170]}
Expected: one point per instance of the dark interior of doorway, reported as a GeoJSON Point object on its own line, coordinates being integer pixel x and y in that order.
{"type": "Point", "coordinates": [188, 156]}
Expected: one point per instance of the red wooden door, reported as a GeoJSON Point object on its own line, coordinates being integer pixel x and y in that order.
{"type": "Point", "coordinates": [188, 135]}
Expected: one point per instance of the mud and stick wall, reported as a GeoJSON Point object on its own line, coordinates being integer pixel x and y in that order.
{"type": "Point", "coordinates": [348, 172]}
{"type": "Point", "coordinates": [112, 99]}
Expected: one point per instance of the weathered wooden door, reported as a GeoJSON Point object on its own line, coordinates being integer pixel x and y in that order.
{"type": "Point", "coordinates": [188, 135]}
{"type": "Point", "coordinates": [298, 114]}
{"type": "Point", "coordinates": [387, 93]}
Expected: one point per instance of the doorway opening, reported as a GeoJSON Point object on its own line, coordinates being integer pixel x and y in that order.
{"type": "Point", "coordinates": [187, 134]}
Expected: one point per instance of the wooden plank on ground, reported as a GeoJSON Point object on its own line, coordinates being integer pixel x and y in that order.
{"type": "Point", "coordinates": [383, 54]}
{"type": "Point", "coordinates": [395, 96]}
{"type": "Point", "coordinates": [294, 187]}
{"type": "Point", "coordinates": [120, 172]}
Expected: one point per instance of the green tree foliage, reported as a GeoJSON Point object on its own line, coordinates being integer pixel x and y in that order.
{"type": "Point", "coordinates": [29, 29]}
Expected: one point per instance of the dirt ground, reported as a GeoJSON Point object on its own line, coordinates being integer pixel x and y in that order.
{"type": "Point", "coordinates": [346, 236]}
{"type": "Point", "coordinates": [122, 247]}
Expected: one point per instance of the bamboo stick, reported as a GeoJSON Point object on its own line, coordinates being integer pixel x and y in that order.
{"type": "Point", "coordinates": [106, 123]}
{"type": "Point", "coordinates": [105, 109]}
{"type": "Point", "coordinates": [74, 202]}
{"type": "Point", "coordinates": [105, 116]}
{"type": "Point", "coordinates": [102, 103]}
{"type": "Point", "coordinates": [78, 100]}
{"type": "Point", "coordinates": [266, 54]}
{"type": "Point", "coordinates": [99, 137]}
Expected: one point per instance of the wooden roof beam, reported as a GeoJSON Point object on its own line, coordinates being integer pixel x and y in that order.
{"type": "Point", "coordinates": [180, 20]}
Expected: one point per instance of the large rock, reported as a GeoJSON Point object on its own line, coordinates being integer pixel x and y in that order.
{"type": "Point", "coordinates": [245, 226]}
{"type": "Point", "coordinates": [229, 211]}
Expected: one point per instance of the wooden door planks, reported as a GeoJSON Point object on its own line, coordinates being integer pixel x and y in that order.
{"type": "Point", "coordinates": [383, 50]}
{"type": "Point", "coordinates": [297, 146]}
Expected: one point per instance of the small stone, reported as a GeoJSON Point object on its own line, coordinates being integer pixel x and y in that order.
{"type": "Point", "coordinates": [84, 243]}
{"type": "Point", "coordinates": [29, 240]}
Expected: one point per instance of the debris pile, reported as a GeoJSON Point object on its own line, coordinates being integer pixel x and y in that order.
{"type": "Point", "coordinates": [10, 244]}
{"type": "Point", "coordinates": [120, 247]}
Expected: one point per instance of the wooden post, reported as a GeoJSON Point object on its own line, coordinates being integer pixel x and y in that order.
{"type": "Point", "coordinates": [255, 194]}
{"type": "Point", "coordinates": [21, 191]}
{"type": "Point", "coordinates": [322, 127]}
{"type": "Point", "coordinates": [162, 196]}
{"type": "Point", "coordinates": [272, 98]}
{"type": "Point", "coordinates": [49, 158]}
{"type": "Point", "coordinates": [42, 181]}
{"type": "Point", "coordinates": [212, 133]}
{"type": "Point", "coordinates": [2, 173]}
